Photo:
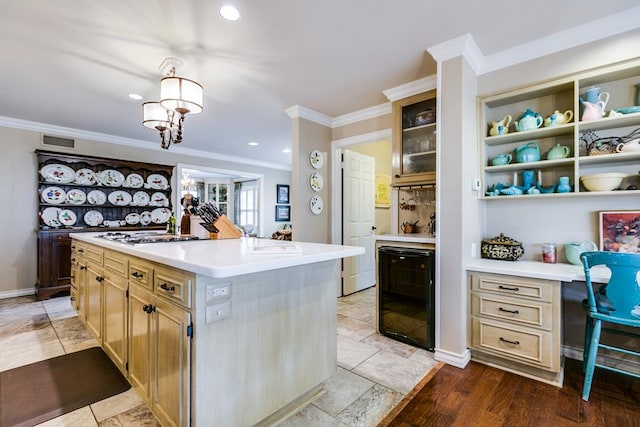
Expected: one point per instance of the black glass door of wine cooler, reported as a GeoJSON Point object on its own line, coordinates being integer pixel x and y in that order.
{"type": "Point", "coordinates": [406, 295]}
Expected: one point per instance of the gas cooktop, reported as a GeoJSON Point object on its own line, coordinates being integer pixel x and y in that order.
{"type": "Point", "coordinates": [146, 237]}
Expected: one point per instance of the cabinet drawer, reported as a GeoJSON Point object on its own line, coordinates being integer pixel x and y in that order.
{"type": "Point", "coordinates": [116, 262]}
{"type": "Point", "coordinates": [93, 253]}
{"type": "Point", "coordinates": [529, 346]}
{"type": "Point", "coordinates": [527, 313]}
{"type": "Point", "coordinates": [173, 285]}
{"type": "Point", "coordinates": [77, 248]}
{"type": "Point", "coordinates": [521, 287]}
{"type": "Point", "coordinates": [141, 273]}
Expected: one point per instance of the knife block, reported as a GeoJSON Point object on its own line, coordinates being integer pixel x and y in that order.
{"type": "Point", "coordinates": [222, 228]}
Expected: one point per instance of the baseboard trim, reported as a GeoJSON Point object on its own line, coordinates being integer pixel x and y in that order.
{"type": "Point", "coordinates": [17, 293]}
{"type": "Point", "coordinates": [454, 359]}
{"type": "Point", "coordinates": [604, 358]}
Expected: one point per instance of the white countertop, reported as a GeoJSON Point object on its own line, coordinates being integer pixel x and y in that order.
{"type": "Point", "coordinates": [226, 257]}
{"type": "Point", "coordinates": [539, 270]}
{"type": "Point", "coordinates": [402, 237]}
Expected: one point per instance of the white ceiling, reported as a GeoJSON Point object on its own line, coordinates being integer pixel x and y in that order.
{"type": "Point", "coordinates": [71, 63]}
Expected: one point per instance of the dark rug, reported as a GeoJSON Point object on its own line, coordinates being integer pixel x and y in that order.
{"type": "Point", "coordinates": [44, 390]}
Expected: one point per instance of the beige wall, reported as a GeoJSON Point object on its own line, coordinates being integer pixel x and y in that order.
{"type": "Point", "coordinates": [363, 127]}
{"type": "Point", "coordinates": [307, 227]}
{"type": "Point", "coordinates": [381, 152]}
{"type": "Point", "coordinates": [19, 177]}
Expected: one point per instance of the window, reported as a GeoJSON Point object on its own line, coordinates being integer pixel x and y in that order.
{"type": "Point", "coordinates": [246, 203]}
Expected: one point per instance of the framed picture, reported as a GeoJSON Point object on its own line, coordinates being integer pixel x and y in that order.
{"type": "Point", "coordinates": [620, 231]}
{"type": "Point", "coordinates": [282, 193]}
{"type": "Point", "coordinates": [383, 191]}
{"type": "Point", "coordinates": [283, 212]}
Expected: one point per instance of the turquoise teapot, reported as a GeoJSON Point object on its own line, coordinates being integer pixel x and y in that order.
{"type": "Point", "coordinates": [529, 152]}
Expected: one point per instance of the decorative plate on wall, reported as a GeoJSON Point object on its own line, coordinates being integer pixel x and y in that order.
{"type": "Point", "coordinates": [316, 159]}
{"type": "Point", "coordinates": [316, 205]}
{"type": "Point", "coordinates": [316, 182]}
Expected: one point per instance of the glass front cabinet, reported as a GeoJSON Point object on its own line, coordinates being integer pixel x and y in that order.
{"type": "Point", "coordinates": [414, 139]}
{"type": "Point", "coordinates": [218, 193]}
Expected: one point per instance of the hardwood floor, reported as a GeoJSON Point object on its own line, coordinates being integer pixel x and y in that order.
{"type": "Point", "coordinates": [483, 396]}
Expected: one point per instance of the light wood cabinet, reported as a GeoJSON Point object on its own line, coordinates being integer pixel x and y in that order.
{"type": "Point", "coordinates": [115, 304]}
{"type": "Point", "coordinates": [159, 352]}
{"type": "Point", "coordinates": [139, 312]}
{"type": "Point", "coordinates": [93, 288]}
{"type": "Point", "coordinates": [563, 95]}
{"type": "Point", "coordinates": [515, 323]}
{"type": "Point", "coordinates": [413, 157]}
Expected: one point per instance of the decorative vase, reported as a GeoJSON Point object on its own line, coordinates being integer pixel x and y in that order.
{"type": "Point", "coordinates": [563, 185]}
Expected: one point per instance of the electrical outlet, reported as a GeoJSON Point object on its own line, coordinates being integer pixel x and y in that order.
{"type": "Point", "coordinates": [218, 291]}
{"type": "Point", "coordinates": [475, 184]}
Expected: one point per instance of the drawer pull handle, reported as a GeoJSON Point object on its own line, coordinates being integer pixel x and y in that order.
{"type": "Point", "coordinates": [81, 251]}
{"type": "Point", "coordinates": [99, 278]}
{"type": "Point", "coordinates": [510, 342]}
{"type": "Point", "coordinates": [137, 275]}
{"type": "Point", "coordinates": [508, 311]}
{"type": "Point", "coordinates": [507, 288]}
{"type": "Point", "coordinates": [82, 267]}
{"type": "Point", "coordinates": [168, 288]}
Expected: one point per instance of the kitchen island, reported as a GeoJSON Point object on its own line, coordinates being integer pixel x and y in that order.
{"type": "Point", "coordinates": [234, 332]}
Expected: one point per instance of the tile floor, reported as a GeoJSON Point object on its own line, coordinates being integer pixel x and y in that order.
{"type": "Point", "coordinates": [374, 373]}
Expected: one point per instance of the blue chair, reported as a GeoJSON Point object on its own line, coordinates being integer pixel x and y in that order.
{"type": "Point", "coordinates": [617, 302]}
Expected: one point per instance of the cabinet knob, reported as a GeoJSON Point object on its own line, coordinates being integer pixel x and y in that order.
{"type": "Point", "coordinates": [397, 176]}
{"type": "Point", "coordinates": [82, 267]}
{"type": "Point", "coordinates": [81, 251]}
{"type": "Point", "coordinates": [148, 308]}
{"type": "Point", "coordinates": [99, 278]}
{"type": "Point", "coordinates": [73, 298]}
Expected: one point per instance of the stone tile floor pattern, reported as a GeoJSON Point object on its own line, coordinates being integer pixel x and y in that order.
{"type": "Point", "coordinates": [374, 373]}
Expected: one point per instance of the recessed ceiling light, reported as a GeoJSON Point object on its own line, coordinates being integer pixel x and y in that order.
{"type": "Point", "coordinates": [253, 143]}
{"type": "Point", "coordinates": [286, 150]}
{"type": "Point", "coordinates": [229, 13]}
{"type": "Point", "coordinates": [135, 96]}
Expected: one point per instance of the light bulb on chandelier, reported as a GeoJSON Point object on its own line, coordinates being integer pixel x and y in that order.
{"type": "Point", "coordinates": [178, 97]}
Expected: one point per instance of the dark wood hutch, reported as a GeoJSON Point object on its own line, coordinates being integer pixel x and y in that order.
{"type": "Point", "coordinates": [125, 196]}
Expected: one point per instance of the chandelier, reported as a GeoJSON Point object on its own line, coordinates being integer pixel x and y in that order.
{"type": "Point", "coordinates": [186, 181]}
{"type": "Point", "coordinates": [178, 97]}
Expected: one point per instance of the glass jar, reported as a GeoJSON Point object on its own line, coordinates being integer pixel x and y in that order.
{"type": "Point", "coordinates": [549, 253]}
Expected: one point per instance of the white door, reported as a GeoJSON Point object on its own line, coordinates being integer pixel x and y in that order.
{"type": "Point", "coordinates": [358, 219]}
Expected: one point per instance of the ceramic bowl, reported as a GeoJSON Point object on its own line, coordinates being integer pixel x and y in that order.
{"type": "Point", "coordinates": [602, 181]}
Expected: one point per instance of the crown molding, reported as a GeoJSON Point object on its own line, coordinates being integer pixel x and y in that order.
{"type": "Point", "coordinates": [607, 26]}
{"type": "Point", "coordinates": [464, 46]}
{"type": "Point", "coordinates": [412, 88]}
{"type": "Point", "coordinates": [360, 115]}
{"type": "Point", "coordinates": [61, 131]}
{"type": "Point", "coordinates": [298, 111]}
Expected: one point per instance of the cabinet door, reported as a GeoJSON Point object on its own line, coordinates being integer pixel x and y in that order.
{"type": "Point", "coordinates": [115, 318]}
{"type": "Point", "coordinates": [94, 299]}
{"type": "Point", "coordinates": [172, 365]}
{"type": "Point", "coordinates": [141, 339]}
{"type": "Point", "coordinates": [81, 281]}
{"type": "Point", "coordinates": [54, 263]}
{"type": "Point", "coordinates": [414, 139]}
